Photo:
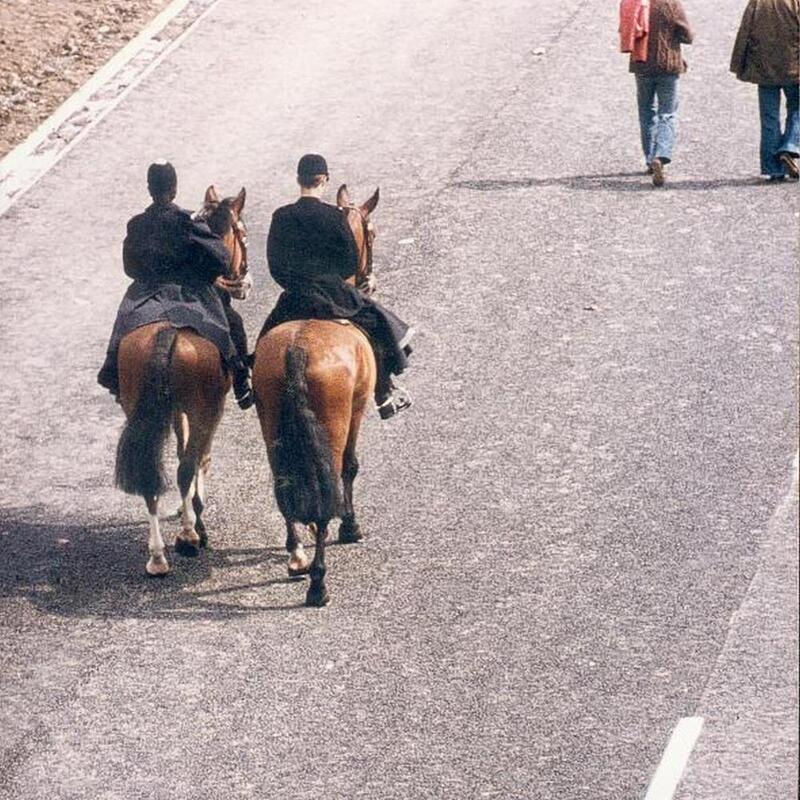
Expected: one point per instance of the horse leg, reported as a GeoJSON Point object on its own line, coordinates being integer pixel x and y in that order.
{"type": "Point", "coordinates": [317, 595]}
{"type": "Point", "coordinates": [187, 542]}
{"type": "Point", "coordinates": [192, 474]}
{"type": "Point", "coordinates": [180, 424]}
{"type": "Point", "coordinates": [187, 484]}
{"type": "Point", "coordinates": [199, 389]}
{"type": "Point", "coordinates": [349, 530]}
{"type": "Point", "coordinates": [157, 564]}
{"type": "Point", "coordinates": [199, 499]}
{"type": "Point", "coordinates": [195, 427]}
{"type": "Point", "coordinates": [298, 560]}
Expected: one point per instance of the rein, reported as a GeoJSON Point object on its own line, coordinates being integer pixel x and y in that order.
{"type": "Point", "coordinates": [239, 235]}
{"type": "Point", "coordinates": [367, 229]}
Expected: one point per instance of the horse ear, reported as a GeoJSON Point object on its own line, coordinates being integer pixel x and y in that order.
{"type": "Point", "coordinates": [238, 203]}
{"type": "Point", "coordinates": [211, 195]}
{"type": "Point", "coordinates": [342, 196]}
{"type": "Point", "coordinates": [369, 206]}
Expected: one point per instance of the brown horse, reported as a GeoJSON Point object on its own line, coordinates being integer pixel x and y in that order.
{"type": "Point", "coordinates": [174, 377]}
{"type": "Point", "coordinates": [313, 380]}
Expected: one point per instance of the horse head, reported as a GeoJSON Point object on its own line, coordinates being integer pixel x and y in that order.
{"type": "Point", "coordinates": [358, 217]}
{"type": "Point", "coordinates": [224, 217]}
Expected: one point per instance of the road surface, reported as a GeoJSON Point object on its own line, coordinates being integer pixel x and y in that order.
{"type": "Point", "coordinates": [584, 531]}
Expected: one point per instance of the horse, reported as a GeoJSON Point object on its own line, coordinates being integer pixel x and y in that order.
{"type": "Point", "coordinates": [173, 377]}
{"type": "Point", "coordinates": [313, 380]}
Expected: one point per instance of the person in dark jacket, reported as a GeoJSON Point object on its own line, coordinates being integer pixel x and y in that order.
{"type": "Point", "coordinates": [311, 252]}
{"type": "Point", "coordinates": [174, 261]}
{"type": "Point", "coordinates": [657, 80]}
{"type": "Point", "coordinates": [767, 52]}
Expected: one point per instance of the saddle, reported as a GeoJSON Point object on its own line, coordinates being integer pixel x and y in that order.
{"type": "Point", "coordinates": [350, 323]}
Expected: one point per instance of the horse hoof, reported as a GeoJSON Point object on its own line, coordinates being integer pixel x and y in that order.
{"type": "Point", "coordinates": [297, 571]}
{"type": "Point", "coordinates": [187, 549]}
{"type": "Point", "coordinates": [157, 567]}
{"type": "Point", "coordinates": [316, 598]}
{"type": "Point", "coordinates": [350, 535]}
{"type": "Point", "coordinates": [203, 538]}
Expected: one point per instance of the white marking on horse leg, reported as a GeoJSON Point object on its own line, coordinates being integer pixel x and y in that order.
{"type": "Point", "coordinates": [157, 564]}
{"type": "Point", "coordinates": [184, 422]}
{"type": "Point", "coordinates": [201, 484]}
{"type": "Point", "coordinates": [188, 517]}
{"type": "Point", "coordinates": [298, 560]}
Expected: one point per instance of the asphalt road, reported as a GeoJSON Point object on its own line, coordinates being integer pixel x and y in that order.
{"type": "Point", "coordinates": [584, 531]}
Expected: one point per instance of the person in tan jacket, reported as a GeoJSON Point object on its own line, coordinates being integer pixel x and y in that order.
{"type": "Point", "coordinates": [657, 80]}
{"type": "Point", "coordinates": [767, 52]}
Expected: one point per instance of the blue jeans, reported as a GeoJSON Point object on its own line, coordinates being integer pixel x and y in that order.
{"type": "Point", "coordinates": [773, 140]}
{"type": "Point", "coordinates": [657, 124]}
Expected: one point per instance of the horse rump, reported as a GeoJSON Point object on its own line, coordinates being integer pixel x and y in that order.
{"type": "Point", "coordinates": [140, 452]}
{"type": "Point", "coordinates": [307, 486]}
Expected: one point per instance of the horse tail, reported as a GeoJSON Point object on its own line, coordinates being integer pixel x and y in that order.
{"type": "Point", "coordinates": [140, 452]}
{"type": "Point", "coordinates": [307, 486]}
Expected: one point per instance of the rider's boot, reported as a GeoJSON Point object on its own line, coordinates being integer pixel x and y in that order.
{"type": "Point", "coordinates": [242, 390]}
{"type": "Point", "coordinates": [108, 378]}
{"type": "Point", "coordinates": [240, 368]}
{"type": "Point", "coordinates": [389, 398]}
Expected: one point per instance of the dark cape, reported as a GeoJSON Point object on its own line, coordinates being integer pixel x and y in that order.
{"type": "Point", "coordinates": [173, 261]}
{"type": "Point", "coordinates": [311, 252]}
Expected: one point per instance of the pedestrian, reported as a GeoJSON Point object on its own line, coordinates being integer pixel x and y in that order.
{"type": "Point", "coordinates": [767, 52]}
{"type": "Point", "coordinates": [311, 252]}
{"type": "Point", "coordinates": [652, 31]}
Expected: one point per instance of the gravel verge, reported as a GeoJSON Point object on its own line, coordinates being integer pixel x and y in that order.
{"type": "Point", "coordinates": [49, 48]}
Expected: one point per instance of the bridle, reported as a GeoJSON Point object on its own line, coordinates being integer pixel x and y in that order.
{"type": "Point", "coordinates": [364, 279]}
{"type": "Point", "coordinates": [240, 240]}
{"type": "Point", "coordinates": [239, 230]}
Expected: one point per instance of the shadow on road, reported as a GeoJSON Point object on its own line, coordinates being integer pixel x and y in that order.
{"type": "Point", "coordinates": [75, 570]}
{"type": "Point", "coordinates": [616, 181]}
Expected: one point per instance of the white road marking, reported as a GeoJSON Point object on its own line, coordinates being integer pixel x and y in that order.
{"type": "Point", "coordinates": [781, 515]}
{"type": "Point", "coordinates": [670, 770]}
{"type": "Point", "coordinates": [104, 91]}
{"type": "Point", "coordinates": [673, 763]}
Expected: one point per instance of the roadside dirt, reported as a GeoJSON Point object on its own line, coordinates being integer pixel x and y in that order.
{"type": "Point", "coordinates": [48, 48]}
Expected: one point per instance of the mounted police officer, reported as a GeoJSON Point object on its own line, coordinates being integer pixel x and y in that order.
{"type": "Point", "coordinates": [311, 253]}
{"type": "Point", "coordinates": [174, 261]}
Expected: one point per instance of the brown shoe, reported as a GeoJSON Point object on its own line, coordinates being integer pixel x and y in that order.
{"type": "Point", "coordinates": [790, 165]}
{"type": "Point", "coordinates": [658, 172]}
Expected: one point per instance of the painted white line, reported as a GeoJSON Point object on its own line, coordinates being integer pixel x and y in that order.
{"type": "Point", "coordinates": [71, 121]}
{"type": "Point", "coordinates": [781, 515]}
{"type": "Point", "coordinates": [670, 770]}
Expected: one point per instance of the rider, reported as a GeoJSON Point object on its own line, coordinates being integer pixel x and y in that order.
{"type": "Point", "coordinates": [174, 261]}
{"type": "Point", "coordinates": [311, 252]}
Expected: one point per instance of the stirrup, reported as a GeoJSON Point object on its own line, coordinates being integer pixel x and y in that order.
{"type": "Point", "coordinates": [245, 399]}
{"type": "Point", "coordinates": [397, 401]}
